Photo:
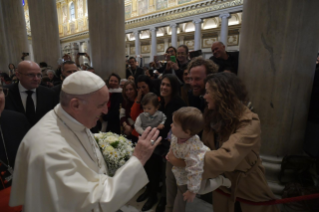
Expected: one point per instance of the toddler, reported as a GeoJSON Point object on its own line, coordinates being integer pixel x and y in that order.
{"type": "Point", "coordinates": [185, 144]}
{"type": "Point", "coordinates": [151, 117]}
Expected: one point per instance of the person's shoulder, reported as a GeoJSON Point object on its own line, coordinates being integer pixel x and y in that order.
{"type": "Point", "coordinates": [57, 87]}
{"type": "Point", "coordinates": [13, 115]}
{"type": "Point", "coordinates": [234, 54]}
{"type": "Point", "coordinates": [45, 90]}
{"type": "Point", "coordinates": [249, 122]}
{"type": "Point", "coordinates": [14, 85]}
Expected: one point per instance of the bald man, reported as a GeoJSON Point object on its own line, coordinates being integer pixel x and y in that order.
{"type": "Point", "coordinates": [27, 96]}
{"type": "Point", "coordinates": [227, 61]}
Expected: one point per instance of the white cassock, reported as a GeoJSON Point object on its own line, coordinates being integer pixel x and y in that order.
{"type": "Point", "coordinates": [60, 168]}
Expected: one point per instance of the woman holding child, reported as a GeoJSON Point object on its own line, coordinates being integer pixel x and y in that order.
{"type": "Point", "coordinates": [232, 132]}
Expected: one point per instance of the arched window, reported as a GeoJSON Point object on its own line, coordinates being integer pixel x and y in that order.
{"type": "Point", "coordinates": [72, 12]}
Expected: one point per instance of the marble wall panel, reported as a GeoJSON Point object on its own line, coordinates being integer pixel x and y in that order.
{"type": "Point", "coordinates": [128, 11]}
{"type": "Point", "coordinates": [183, 1]}
{"type": "Point", "coordinates": [146, 49]}
{"type": "Point", "coordinates": [142, 7]}
{"type": "Point", "coordinates": [161, 4]}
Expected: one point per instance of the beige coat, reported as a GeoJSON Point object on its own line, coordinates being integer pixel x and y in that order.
{"type": "Point", "coordinates": [238, 159]}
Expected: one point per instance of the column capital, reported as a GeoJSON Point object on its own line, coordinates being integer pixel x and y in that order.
{"type": "Point", "coordinates": [225, 15]}
{"type": "Point", "coordinates": [136, 32]}
{"type": "Point", "coordinates": [197, 21]}
{"type": "Point", "coordinates": [173, 25]}
{"type": "Point", "coordinates": [153, 29]}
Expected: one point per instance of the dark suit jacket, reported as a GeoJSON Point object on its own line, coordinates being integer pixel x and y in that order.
{"type": "Point", "coordinates": [14, 126]}
{"type": "Point", "coordinates": [136, 73]}
{"type": "Point", "coordinates": [46, 100]}
{"type": "Point", "coordinates": [57, 90]}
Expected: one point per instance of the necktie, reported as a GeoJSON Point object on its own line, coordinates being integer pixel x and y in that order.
{"type": "Point", "coordinates": [30, 110]}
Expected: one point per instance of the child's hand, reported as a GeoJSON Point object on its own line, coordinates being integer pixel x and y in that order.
{"type": "Point", "coordinates": [160, 127]}
{"type": "Point", "coordinates": [189, 196]}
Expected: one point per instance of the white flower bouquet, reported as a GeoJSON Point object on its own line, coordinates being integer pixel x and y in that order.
{"type": "Point", "coordinates": [116, 150]}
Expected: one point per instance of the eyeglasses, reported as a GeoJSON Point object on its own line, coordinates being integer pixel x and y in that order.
{"type": "Point", "coordinates": [32, 76]}
{"type": "Point", "coordinates": [181, 53]}
{"type": "Point", "coordinates": [5, 91]}
{"type": "Point", "coordinates": [171, 52]}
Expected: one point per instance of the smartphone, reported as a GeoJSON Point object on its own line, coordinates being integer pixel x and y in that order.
{"type": "Point", "coordinates": [195, 54]}
{"type": "Point", "coordinates": [173, 58]}
{"type": "Point", "coordinates": [82, 54]}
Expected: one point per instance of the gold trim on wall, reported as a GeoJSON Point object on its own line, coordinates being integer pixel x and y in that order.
{"type": "Point", "coordinates": [191, 12]}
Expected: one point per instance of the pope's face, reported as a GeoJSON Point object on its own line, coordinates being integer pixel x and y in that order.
{"type": "Point", "coordinates": [92, 108]}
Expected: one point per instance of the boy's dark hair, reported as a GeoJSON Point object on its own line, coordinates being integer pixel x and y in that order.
{"type": "Point", "coordinates": [190, 119]}
{"type": "Point", "coordinates": [115, 75]}
{"type": "Point", "coordinates": [150, 98]}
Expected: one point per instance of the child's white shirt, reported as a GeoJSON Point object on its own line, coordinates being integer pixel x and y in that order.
{"type": "Point", "coordinates": [193, 152]}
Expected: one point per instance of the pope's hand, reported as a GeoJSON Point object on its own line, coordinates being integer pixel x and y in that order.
{"type": "Point", "coordinates": [144, 148]}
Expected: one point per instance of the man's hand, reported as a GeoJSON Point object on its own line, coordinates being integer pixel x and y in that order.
{"type": "Point", "coordinates": [189, 196]}
{"type": "Point", "coordinates": [160, 127]}
{"type": "Point", "coordinates": [144, 148]}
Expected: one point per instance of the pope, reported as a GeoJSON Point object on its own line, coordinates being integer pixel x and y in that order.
{"type": "Point", "coordinates": [59, 166]}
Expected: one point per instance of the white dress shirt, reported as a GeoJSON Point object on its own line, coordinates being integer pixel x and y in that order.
{"type": "Point", "coordinates": [24, 96]}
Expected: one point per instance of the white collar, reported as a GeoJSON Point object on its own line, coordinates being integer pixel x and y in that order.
{"type": "Point", "coordinates": [69, 120]}
{"type": "Point", "coordinates": [23, 89]}
{"type": "Point", "coordinates": [115, 90]}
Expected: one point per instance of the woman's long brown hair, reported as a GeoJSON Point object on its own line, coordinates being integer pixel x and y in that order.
{"type": "Point", "coordinates": [230, 96]}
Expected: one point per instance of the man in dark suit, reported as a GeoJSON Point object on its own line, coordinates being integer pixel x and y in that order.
{"type": "Point", "coordinates": [13, 127]}
{"type": "Point", "coordinates": [67, 68]}
{"type": "Point", "coordinates": [27, 96]}
{"type": "Point", "coordinates": [225, 60]}
{"type": "Point", "coordinates": [133, 70]}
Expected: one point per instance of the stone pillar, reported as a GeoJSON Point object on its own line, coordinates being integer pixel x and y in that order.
{"type": "Point", "coordinates": [128, 46]}
{"type": "Point", "coordinates": [107, 35]}
{"type": "Point", "coordinates": [277, 64]}
{"type": "Point", "coordinates": [181, 40]}
{"type": "Point", "coordinates": [197, 34]}
{"type": "Point", "coordinates": [165, 44]}
{"type": "Point", "coordinates": [174, 35]}
{"type": "Point", "coordinates": [13, 33]}
{"type": "Point", "coordinates": [137, 42]}
{"type": "Point", "coordinates": [153, 43]}
{"type": "Point", "coordinates": [45, 31]}
{"type": "Point", "coordinates": [224, 28]}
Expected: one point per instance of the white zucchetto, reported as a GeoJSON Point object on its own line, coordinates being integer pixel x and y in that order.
{"type": "Point", "coordinates": [82, 82]}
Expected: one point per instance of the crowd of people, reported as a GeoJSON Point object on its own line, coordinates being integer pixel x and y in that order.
{"type": "Point", "coordinates": [199, 107]}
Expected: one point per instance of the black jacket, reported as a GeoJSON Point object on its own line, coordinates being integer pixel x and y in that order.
{"type": "Point", "coordinates": [231, 63]}
{"type": "Point", "coordinates": [175, 104]}
{"type": "Point", "coordinates": [14, 126]}
{"type": "Point", "coordinates": [46, 100]}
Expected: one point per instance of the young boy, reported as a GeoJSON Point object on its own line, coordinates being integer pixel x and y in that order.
{"type": "Point", "coordinates": [185, 144]}
{"type": "Point", "coordinates": [151, 116]}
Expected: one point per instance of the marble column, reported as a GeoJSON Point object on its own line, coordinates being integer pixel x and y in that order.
{"type": "Point", "coordinates": [153, 43]}
{"type": "Point", "coordinates": [128, 46]}
{"type": "Point", "coordinates": [197, 34]}
{"type": "Point", "coordinates": [137, 42]}
{"type": "Point", "coordinates": [45, 31]}
{"type": "Point", "coordinates": [13, 33]}
{"type": "Point", "coordinates": [107, 35]}
{"type": "Point", "coordinates": [181, 40]}
{"type": "Point", "coordinates": [224, 28]}
{"type": "Point", "coordinates": [278, 50]}
{"type": "Point", "coordinates": [165, 44]}
{"type": "Point", "coordinates": [174, 35]}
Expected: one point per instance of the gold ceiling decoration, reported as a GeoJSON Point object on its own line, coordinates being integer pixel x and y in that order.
{"type": "Point", "coordinates": [191, 11]}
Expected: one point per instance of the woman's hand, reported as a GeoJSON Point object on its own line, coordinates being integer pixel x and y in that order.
{"type": "Point", "coordinates": [170, 157]}
{"type": "Point", "coordinates": [127, 129]}
{"type": "Point", "coordinates": [160, 127]}
{"type": "Point", "coordinates": [139, 95]}
{"type": "Point", "coordinates": [189, 196]}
